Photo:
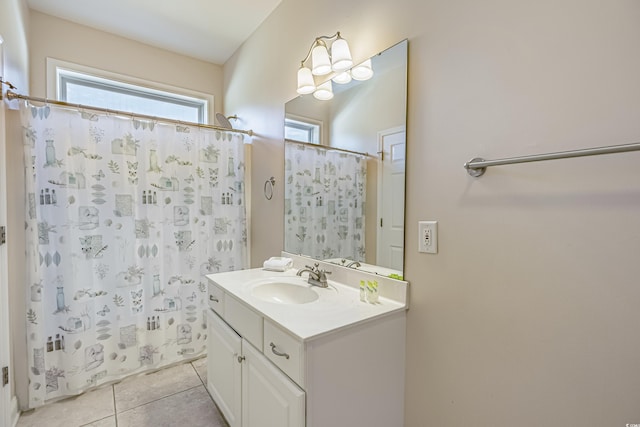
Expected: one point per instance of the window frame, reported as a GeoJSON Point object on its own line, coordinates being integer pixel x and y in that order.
{"type": "Point", "coordinates": [59, 72]}
{"type": "Point", "coordinates": [305, 123]}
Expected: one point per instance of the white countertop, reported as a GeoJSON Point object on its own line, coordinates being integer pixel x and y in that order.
{"type": "Point", "coordinates": [337, 307]}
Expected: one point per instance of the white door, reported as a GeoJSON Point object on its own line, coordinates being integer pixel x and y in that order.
{"type": "Point", "coordinates": [269, 397]}
{"type": "Point", "coordinates": [5, 354]}
{"type": "Point", "coordinates": [390, 247]}
{"type": "Point", "coordinates": [224, 369]}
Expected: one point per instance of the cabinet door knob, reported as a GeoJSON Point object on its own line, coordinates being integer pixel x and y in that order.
{"type": "Point", "coordinates": [240, 359]}
{"type": "Point", "coordinates": [214, 299]}
{"type": "Point", "coordinates": [276, 352]}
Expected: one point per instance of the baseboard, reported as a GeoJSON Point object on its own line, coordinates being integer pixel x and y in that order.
{"type": "Point", "coordinates": [14, 413]}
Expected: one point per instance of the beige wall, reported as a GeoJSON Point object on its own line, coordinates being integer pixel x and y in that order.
{"type": "Point", "coordinates": [528, 315]}
{"type": "Point", "coordinates": [67, 41]}
{"type": "Point", "coordinates": [14, 31]}
{"type": "Point", "coordinates": [63, 40]}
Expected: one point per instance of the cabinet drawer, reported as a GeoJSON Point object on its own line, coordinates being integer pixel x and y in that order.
{"type": "Point", "coordinates": [245, 321]}
{"type": "Point", "coordinates": [285, 351]}
{"type": "Point", "coordinates": [216, 298]}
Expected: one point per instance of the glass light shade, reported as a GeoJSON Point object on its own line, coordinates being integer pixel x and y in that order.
{"type": "Point", "coordinates": [362, 71]}
{"type": "Point", "coordinates": [340, 55]}
{"type": "Point", "coordinates": [324, 91]}
{"type": "Point", "coordinates": [321, 64]}
{"type": "Point", "coordinates": [306, 85]}
{"type": "Point", "coordinates": [342, 78]}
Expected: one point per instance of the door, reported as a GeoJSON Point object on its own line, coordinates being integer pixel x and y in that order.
{"type": "Point", "coordinates": [390, 247]}
{"type": "Point", "coordinates": [269, 397]}
{"type": "Point", "coordinates": [224, 369]}
{"type": "Point", "coordinates": [5, 354]}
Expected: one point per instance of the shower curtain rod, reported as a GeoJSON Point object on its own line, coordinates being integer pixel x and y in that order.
{"type": "Point", "coordinates": [12, 95]}
{"type": "Point", "coordinates": [331, 148]}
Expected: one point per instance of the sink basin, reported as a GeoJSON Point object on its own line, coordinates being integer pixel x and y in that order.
{"type": "Point", "coordinates": [284, 292]}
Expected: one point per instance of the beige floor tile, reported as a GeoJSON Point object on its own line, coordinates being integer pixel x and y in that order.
{"type": "Point", "coordinates": [72, 412]}
{"type": "Point", "coordinates": [105, 422]}
{"type": "Point", "coordinates": [201, 368]}
{"type": "Point", "coordinates": [139, 390]}
{"type": "Point", "coordinates": [193, 408]}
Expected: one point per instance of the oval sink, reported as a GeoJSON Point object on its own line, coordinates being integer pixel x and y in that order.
{"type": "Point", "coordinates": [284, 293]}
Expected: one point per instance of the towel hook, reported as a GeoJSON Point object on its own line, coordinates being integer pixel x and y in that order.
{"type": "Point", "coordinates": [268, 188]}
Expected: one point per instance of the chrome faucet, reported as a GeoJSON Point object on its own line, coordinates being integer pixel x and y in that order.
{"type": "Point", "coordinates": [317, 277]}
{"type": "Point", "coordinates": [354, 264]}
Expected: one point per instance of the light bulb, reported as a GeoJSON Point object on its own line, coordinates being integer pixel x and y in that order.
{"type": "Point", "coordinates": [342, 78]}
{"type": "Point", "coordinates": [324, 91]}
{"type": "Point", "coordinates": [362, 71]}
{"type": "Point", "coordinates": [340, 55]}
{"type": "Point", "coordinates": [306, 84]}
{"type": "Point", "coordinates": [321, 64]}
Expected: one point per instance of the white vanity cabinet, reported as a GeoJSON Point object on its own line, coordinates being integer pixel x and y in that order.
{"type": "Point", "coordinates": [224, 370]}
{"type": "Point", "coordinates": [249, 390]}
{"type": "Point", "coordinates": [269, 398]}
{"type": "Point", "coordinates": [348, 373]}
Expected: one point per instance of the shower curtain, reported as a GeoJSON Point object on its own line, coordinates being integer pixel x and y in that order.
{"type": "Point", "coordinates": [125, 217]}
{"type": "Point", "coordinates": [324, 202]}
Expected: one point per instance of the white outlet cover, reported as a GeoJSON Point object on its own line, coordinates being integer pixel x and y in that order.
{"type": "Point", "coordinates": [428, 237]}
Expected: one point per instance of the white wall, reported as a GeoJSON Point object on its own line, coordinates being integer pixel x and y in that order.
{"type": "Point", "coordinates": [528, 314]}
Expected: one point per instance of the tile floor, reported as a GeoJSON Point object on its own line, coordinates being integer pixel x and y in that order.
{"type": "Point", "coordinates": [174, 396]}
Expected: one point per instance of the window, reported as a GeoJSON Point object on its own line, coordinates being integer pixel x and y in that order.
{"type": "Point", "coordinates": [302, 131]}
{"type": "Point", "coordinates": [93, 88]}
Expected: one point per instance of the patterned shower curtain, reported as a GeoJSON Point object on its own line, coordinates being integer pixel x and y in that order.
{"type": "Point", "coordinates": [324, 202]}
{"type": "Point", "coordinates": [125, 218]}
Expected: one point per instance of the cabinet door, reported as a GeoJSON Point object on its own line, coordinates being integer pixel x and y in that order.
{"type": "Point", "coordinates": [269, 397]}
{"type": "Point", "coordinates": [224, 369]}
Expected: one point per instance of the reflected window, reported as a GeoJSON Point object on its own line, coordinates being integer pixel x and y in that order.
{"type": "Point", "coordinates": [302, 131]}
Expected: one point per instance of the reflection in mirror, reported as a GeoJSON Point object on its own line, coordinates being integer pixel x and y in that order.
{"type": "Point", "coordinates": [344, 170]}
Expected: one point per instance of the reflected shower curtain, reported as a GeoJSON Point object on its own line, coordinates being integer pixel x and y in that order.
{"type": "Point", "coordinates": [324, 202]}
{"type": "Point", "coordinates": [124, 219]}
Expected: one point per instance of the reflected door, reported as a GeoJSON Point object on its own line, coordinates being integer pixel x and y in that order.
{"type": "Point", "coordinates": [390, 246]}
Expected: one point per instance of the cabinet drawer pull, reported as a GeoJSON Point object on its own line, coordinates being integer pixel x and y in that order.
{"type": "Point", "coordinates": [276, 352]}
{"type": "Point", "coordinates": [214, 299]}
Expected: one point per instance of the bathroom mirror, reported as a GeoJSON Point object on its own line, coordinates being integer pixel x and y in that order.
{"type": "Point", "coordinates": [345, 170]}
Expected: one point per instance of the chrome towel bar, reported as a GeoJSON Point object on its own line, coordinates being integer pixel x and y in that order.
{"type": "Point", "coordinates": [477, 166]}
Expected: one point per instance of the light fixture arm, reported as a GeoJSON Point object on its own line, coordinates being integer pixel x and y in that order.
{"type": "Point", "coordinates": [317, 41]}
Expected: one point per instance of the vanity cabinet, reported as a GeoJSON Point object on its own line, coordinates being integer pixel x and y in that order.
{"type": "Point", "coordinates": [260, 374]}
{"type": "Point", "coordinates": [249, 390]}
{"type": "Point", "coordinates": [269, 398]}
{"type": "Point", "coordinates": [224, 372]}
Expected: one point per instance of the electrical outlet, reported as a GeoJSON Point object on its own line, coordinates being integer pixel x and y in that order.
{"type": "Point", "coordinates": [428, 237]}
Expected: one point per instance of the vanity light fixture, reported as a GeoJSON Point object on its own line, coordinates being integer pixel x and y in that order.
{"type": "Point", "coordinates": [325, 59]}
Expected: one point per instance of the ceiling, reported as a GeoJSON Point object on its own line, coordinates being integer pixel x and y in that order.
{"type": "Point", "coordinates": [210, 30]}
